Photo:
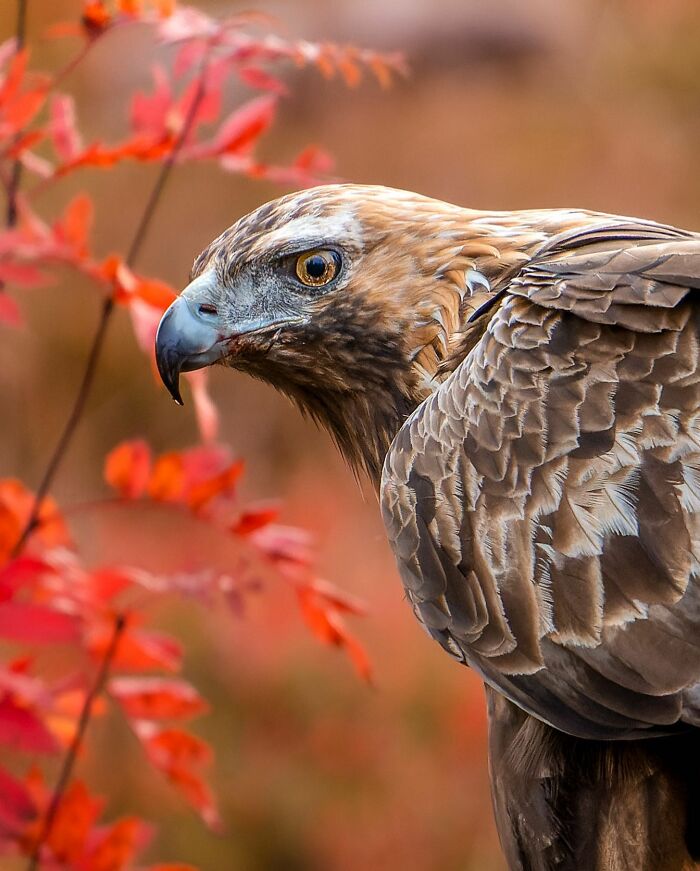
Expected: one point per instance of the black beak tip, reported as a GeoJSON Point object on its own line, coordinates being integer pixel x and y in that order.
{"type": "Point", "coordinates": [169, 370]}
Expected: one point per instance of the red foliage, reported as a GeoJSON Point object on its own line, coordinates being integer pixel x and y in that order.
{"type": "Point", "coordinates": [47, 595]}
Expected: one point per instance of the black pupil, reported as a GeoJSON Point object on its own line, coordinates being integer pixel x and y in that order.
{"type": "Point", "coordinates": [316, 266]}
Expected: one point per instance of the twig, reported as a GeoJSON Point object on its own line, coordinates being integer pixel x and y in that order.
{"type": "Point", "coordinates": [72, 752]}
{"type": "Point", "coordinates": [107, 309]}
{"type": "Point", "coordinates": [20, 36]}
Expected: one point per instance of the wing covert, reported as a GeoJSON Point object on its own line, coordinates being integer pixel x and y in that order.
{"type": "Point", "coordinates": [543, 502]}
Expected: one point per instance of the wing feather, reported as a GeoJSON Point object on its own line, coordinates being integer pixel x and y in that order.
{"type": "Point", "coordinates": [544, 503]}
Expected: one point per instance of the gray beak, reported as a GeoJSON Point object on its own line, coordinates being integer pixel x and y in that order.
{"type": "Point", "coordinates": [188, 337]}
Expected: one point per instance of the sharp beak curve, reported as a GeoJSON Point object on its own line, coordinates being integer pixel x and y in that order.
{"type": "Point", "coordinates": [188, 338]}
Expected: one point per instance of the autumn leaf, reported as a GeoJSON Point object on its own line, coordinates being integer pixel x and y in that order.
{"type": "Point", "coordinates": [241, 130]}
{"type": "Point", "coordinates": [178, 755]}
{"type": "Point", "coordinates": [252, 519]}
{"type": "Point", "coordinates": [72, 229]}
{"type": "Point", "coordinates": [17, 807]}
{"type": "Point", "coordinates": [203, 492]}
{"type": "Point", "coordinates": [128, 468]}
{"type": "Point", "coordinates": [138, 649]}
{"type": "Point", "coordinates": [328, 626]}
{"type": "Point", "coordinates": [117, 845]}
{"type": "Point", "coordinates": [157, 698]}
{"type": "Point", "coordinates": [23, 729]}
{"type": "Point", "coordinates": [11, 316]}
{"type": "Point", "coordinates": [76, 814]}
{"type": "Point", "coordinates": [64, 135]}
{"type": "Point", "coordinates": [37, 624]}
{"type": "Point", "coordinates": [16, 503]}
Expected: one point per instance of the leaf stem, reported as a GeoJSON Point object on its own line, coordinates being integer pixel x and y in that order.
{"type": "Point", "coordinates": [97, 344]}
{"type": "Point", "coordinates": [72, 753]}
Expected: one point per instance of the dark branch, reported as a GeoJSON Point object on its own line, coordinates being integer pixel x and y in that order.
{"type": "Point", "coordinates": [107, 309]}
{"type": "Point", "coordinates": [72, 753]}
{"type": "Point", "coordinates": [16, 176]}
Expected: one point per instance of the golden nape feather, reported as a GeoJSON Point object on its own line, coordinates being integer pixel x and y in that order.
{"type": "Point", "coordinates": [522, 387]}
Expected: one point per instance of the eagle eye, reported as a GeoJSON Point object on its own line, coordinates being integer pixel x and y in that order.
{"type": "Point", "coordinates": [317, 268]}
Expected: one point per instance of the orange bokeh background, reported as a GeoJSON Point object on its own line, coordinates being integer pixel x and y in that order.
{"type": "Point", "coordinates": [508, 105]}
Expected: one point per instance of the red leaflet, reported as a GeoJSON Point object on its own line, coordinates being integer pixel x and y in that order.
{"type": "Point", "coordinates": [149, 112]}
{"type": "Point", "coordinates": [239, 133]}
{"type": "Point", "coordinates": [21, 274]}
{"type": "Point", "coordinates": [18, 106]}
{"type": "Point", "coordinates": [22, 729]}
{"type": "Point", "coordinates": [197, 793]}
{"type": "Point", "coordinates": [65, 138]}
{"type": "Point", "coordinates": [37, 624]}
{"type": "Point", "coordinates": [17, 808]}
{"type": "Point", "coordinates": [167, 482]}
{"type": "Point", "coordinates": [11, 316]}
{"type": "Point", "coordinates": [172, 747]}
{"type": "Point", "coordinates": [138, 650]}
{"type": "Point", "coordinates": [257, 78]}
{"type": "Point", "coordinates": [179, 755]}
{"type": "Point", "coordinates": [157, 698]}
{"type": "Point", "coordinates": [72, 229]}
{"type": "Point", "coordinates": [128, 468]}
{"type": "Point", "coordinates": [117, 845]}
{"type": "Point", "coordinates": [77, 812]}
{"type": "Point", "coordinates": [15, 504]}
{"type": "Point", "coordinates": [222, 484]}
{"type": "Point", "coordinates": [253, 519]}
{"type": "Point", "coordinates": [327, 625]}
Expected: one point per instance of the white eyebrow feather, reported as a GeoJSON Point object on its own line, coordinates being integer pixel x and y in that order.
{"type": "Point", "coordinates": [341, 225]}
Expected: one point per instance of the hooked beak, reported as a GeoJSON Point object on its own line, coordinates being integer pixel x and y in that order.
{"type": "Point", "coordinates": [189, 337]}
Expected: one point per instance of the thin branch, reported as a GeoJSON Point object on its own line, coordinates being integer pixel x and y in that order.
{"type": "Point", "coordinates": [96, 347]}
{"type": "Point", "coordinates": [15, 178]}
{"type": "Point", "coordinates": [72, 752]}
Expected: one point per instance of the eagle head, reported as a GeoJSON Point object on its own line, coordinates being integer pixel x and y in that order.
{"type": "Point", "coordinates": [347, 298]}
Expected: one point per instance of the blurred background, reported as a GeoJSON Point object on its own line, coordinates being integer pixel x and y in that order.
{"type": "Point", "coordinates": [588, 103]}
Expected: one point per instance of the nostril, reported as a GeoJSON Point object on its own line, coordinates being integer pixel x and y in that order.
{"type": "Point", "coordinates": [207, 309]}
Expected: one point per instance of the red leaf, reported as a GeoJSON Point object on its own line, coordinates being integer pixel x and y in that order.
{"type": "Point", "coordinates": [21, 728]}
{"type": "Point", "coordinates": [17, 808]}
{"type": "Point", "coordinates": [240, 131]}
{"type": "Point", "coordinates": [29, 623]}
{"type": "Point", "coordinates": [155, 293]}
{"type": "Point", "coordinates": [21, 273]}
{"type": "Point", "coordinates": [254, 519]}
{"type": "Point", "coordinates": [261, 80]}
{"type": "Point", "coordinates": [327, 625]}
{"type": "Point", "coordinates": [197, 793]}
{"type": "Point", "coordinates": [62, 128]}
{"type": "Point", "coordinates": [168, 747]}
{"type": "Point", "coordinates": [10, 315]}
{"type": "Point", "coordinates": [223, 483]}
{"type": "Point", "coordinates": [73, 227]}
{"type": "Point", "coordinates": [128, 468]}
{"type": "Point", "coordinates": [176, 753]}
{"type": "Point", "coordinates": [167, 483]}
{"type": "Point", "coordinates": [15, 504]}
{"type": "Point", "coordinates": [118, 845]}
{"type": "Point", "coordinates": [149, 112]}
{"type": "Point", "coordinates": [157, 698]}
{"type": "Point", "coordinates": [138, 649]}
{"type": "Point", "coordinates": [76, 814]}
